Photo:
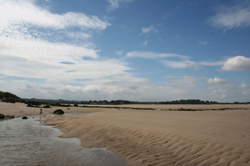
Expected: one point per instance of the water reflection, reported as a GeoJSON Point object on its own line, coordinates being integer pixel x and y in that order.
{"type": "Point", "coordinates": [27, 143]}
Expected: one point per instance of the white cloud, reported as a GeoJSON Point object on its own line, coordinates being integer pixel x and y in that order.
{"type": "Point", "coordinates": [119, 52]}
{"type": "Point", "coordinates": [43, 51]}
{"type": "Point", "coordinates": [116, 3]}
{"type": "Point", "coordinates": [24, 53]}
{"type": "Point", "coordinates": [211, 63]}
{"type": "Point", "coordinates": [153, 55]}
{"type": "Point", "coordinates": [31, 63]}
{"type": "Point", "coordinates": [236, 63]}
{"type": "Point", "coordinates": [79, 35]}
{"type": "Point", "coordinates": [232, 17]}
{"type": "Point", "coordinates": [149, 29]}
{"type": "Point", "coordinates": [189, 64]}
{"type": "Point", "coordinates": [16, 12]}
{"type": "Point", "coordinates": [228, 91]}
{"type": "Point", "coordinates": [120, 86]}
{"type": "Point", "coordinates": [243, 85]}
{"type": "Point", "coordinates": [216, 80]}
{"type": "Point", "coordinates": [86, 69]}
{"type": "Point", "coordinates": [181, 64]}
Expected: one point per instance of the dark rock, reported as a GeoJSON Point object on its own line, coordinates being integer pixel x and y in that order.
{"type": "Point", "coordinates": [24, 117]}
{"type": "Point", "coordinates": [58, 112]}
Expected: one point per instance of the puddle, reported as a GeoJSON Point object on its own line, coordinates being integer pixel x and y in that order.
{"type": "Point", "coordinates": [28, 143]}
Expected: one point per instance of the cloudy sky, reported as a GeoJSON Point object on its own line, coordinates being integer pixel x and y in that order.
{"type": "Point", "coordinates": [126, 49]}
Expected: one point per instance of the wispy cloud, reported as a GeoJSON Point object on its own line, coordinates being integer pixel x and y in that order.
{"type": "Point", "coordinates": [153, 55]}
{"type": "Point", "coordinates": [190, 64]}
{"type": "Point", "coordinates": [149, 29]}
{"type": "Point", "coordinates": [116, 3]}
{"type": "Point", "coordinates": [183, 64]}
{"type": "Point", "coordinates": [232, 17]}
{"type": "Point", "coordinates": [180, 61]}
{"type": "Point", "coordinates": [237, 63]}
{"type": "Point", "coordinates": [216, 80]}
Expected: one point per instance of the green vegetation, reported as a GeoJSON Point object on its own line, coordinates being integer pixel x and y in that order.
{"type": "Point", "coordinates": [5, 117]}
{"type": "Point", "coordinates": [9, 97]}
{"type": "Point", "coordinates": [47, 106]}
{"type": "Point", "coordinates": [47, 103]}
{"type": "Point", "coordinates": [2, 116]}
{"type": "Point", "coordinates": [68, 103]}
{"type": "Point", "coordinates": [118, 102]}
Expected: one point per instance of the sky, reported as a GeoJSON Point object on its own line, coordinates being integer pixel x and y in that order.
{"type": "Point", "coordinates": [143, 50]}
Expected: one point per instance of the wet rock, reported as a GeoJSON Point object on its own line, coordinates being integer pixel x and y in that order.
{"type": "Point", "coordinates": [58, 112]}
{"type": "Point", "coordinates": [24, 117]}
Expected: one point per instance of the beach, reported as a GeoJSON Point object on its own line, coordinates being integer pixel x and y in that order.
{"type": "Point", "coordinates": [218, 135]}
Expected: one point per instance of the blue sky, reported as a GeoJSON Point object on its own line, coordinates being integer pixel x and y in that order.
{"type": "Point", "coordinates": [126, 49]}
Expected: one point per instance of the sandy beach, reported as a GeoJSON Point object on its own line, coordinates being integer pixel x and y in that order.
{"type": "Point", "coordinates": [156, 137]}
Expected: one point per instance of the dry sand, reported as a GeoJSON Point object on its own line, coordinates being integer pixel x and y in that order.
{"type": "Point", "coordinates": [161, 138]}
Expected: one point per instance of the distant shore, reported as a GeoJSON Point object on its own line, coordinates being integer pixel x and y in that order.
{"type": "Point", "coordinates": [217, 135]}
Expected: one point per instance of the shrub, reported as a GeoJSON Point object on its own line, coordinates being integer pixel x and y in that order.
{"type": "Point", "coordinates": [2, 116]}
{"type": "Point", "coordinates": [47, 106]}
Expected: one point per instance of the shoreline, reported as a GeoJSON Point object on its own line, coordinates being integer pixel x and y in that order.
{"type": "Point", "coordinates": [31, 143]}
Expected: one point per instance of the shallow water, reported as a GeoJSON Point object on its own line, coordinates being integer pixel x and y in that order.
{"type": "Point", "coordinates": [28, 143]}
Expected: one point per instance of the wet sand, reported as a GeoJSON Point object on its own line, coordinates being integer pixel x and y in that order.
{"type": "Point", "coordinates": [28, 143]}
{"type": "Point", "coordinates": [164, 138]}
